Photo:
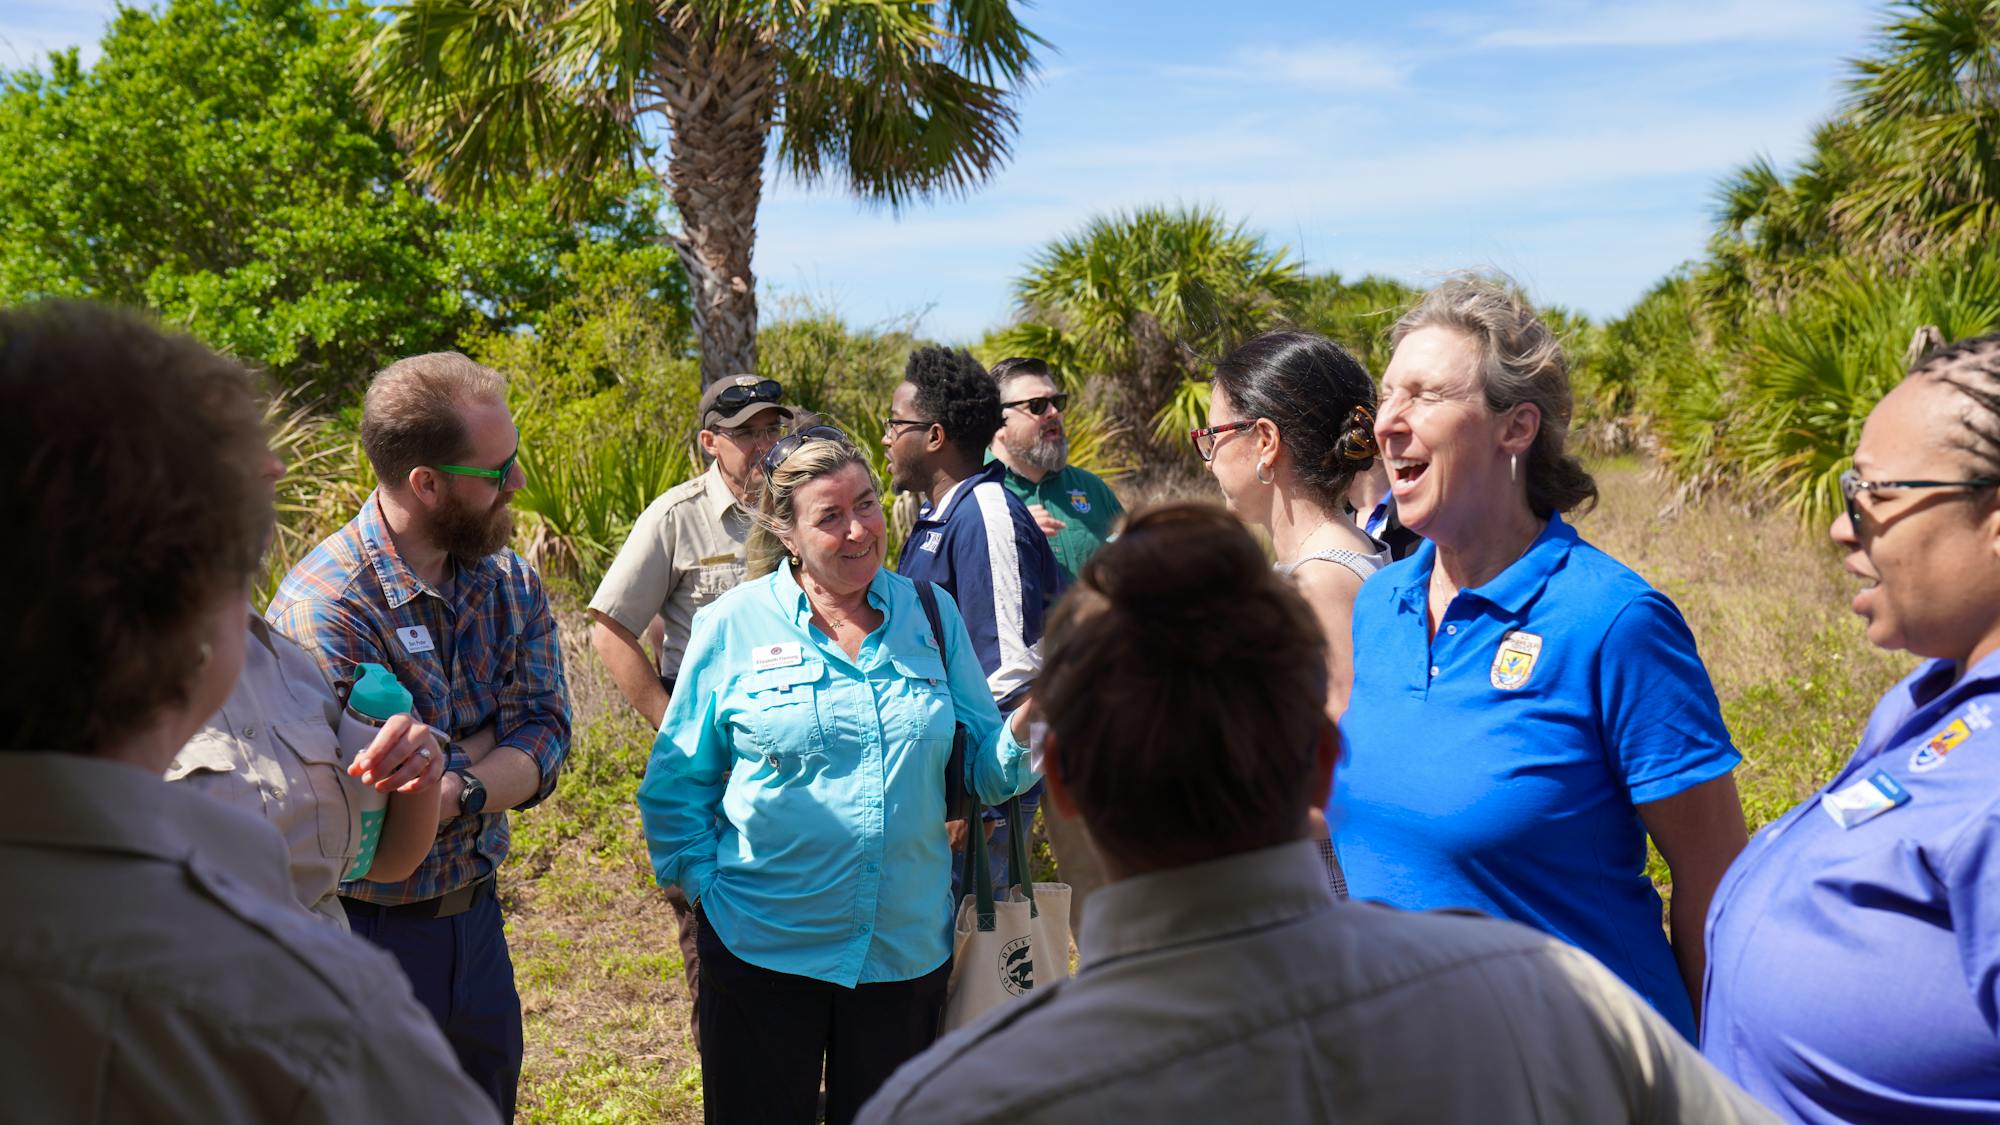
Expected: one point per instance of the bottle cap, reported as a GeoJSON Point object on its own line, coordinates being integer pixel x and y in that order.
{"type": "Point", "coordinates": [378, 694]}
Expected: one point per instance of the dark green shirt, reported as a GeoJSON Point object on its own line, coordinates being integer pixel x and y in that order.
{"type": "Point", "coordinates": [1085, 504]}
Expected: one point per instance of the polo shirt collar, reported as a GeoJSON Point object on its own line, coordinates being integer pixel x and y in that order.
{"type": "Point", "coordinates": [1933, 683]}
{"type": "Point", "coordinates": [939, 513]}
{"type": "Point", "coordinates": [1514, 587]}
{"type": "Point", "coordinates": [400, 585]}
{"type": "Point", "coordinates": [1204, 902]}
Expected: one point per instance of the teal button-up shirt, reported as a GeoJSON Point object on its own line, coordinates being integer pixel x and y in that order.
{"type": "Point", "coordinates": [799, 793]}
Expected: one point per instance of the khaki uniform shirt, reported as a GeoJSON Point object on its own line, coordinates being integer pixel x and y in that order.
{"type": "Point", "coordinates": [153, 967]}
{"type": "Point", "coordinates": [1239, 990]}
{"type": "Point", "coordinates": [274, 751]}
{"type": "Point", "coordinates": [685, 551]}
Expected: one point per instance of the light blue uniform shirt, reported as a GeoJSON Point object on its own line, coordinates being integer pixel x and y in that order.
{"type": "Point", "coordinates": [1499, 765]}
{"type": "Point", "coordinates": [1854, 972]}
{"type": "Point", "coordinates": [799, 793]}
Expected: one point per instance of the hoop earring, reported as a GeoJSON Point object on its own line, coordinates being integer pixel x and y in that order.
{"type": "Point", "coordinates": [1261, 478]}
{"type": "Point", "coordinates": [1513, 468]}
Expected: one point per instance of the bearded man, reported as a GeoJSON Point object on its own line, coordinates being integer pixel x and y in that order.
{"type": "Point", "coordinates": [1072, 506]}
{"type": "Point", "coordinates": [422, 581]}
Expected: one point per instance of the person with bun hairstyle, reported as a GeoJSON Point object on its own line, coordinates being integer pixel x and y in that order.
{"type": "Point", "coordinates": [1220, 980]}
{"type": "Point", "coordinates": [796, 793]}
{"type": "Point", "coordinates": [1290, 422]}
{"type": "Point", "coordinates": [1530, 710]}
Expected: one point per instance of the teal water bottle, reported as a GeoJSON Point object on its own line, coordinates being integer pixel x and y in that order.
{"type": "Point", "coordinates": [377, 696]}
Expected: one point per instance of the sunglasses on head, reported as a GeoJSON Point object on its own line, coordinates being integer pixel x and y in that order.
{"type": "Point", "coordinates": [1040, 406]}
{"type": "Point", "coordinates": [791, 442]}
{"type": "Point", "coordinates": [735, 397]}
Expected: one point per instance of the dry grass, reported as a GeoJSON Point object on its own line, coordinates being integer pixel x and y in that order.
{"type": "Point", "coordinates": [593, 942]}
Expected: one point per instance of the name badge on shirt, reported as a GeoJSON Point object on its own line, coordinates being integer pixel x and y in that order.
{"type": "Point", "coordinates": [1864, 800]}
{"type": "Point", "coordinates": [415, 638]}
{"type": "Point", "coordinates": [1515, 661]}
{"type": "Point", "coordinates": [777, 656]}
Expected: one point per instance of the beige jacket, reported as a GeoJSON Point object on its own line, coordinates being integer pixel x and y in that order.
{"type": "Point", "coordinates": [1239, 990]}
{"type": "Point", "coordinates": [685, 551]}
{"type": "Point", "coordinates": [153, 967]}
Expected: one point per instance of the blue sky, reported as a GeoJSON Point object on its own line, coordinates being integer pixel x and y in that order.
{"type": "Point", "coordinates": [1574, 144]}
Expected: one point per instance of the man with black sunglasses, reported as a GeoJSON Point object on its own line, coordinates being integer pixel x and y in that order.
{"type": "Point", "coordinates": [686, 550]}
{"type": "Point", "coordinates": [1073, 506]}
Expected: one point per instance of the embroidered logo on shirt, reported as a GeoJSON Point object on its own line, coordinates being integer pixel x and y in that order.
{"type": "Point", "coordinates": [1079, 501]}
{"type": "Point", "coordinates": [1017, 967]}
{"type": "Point", "coordinates": [1515, 661]}
{"type": "Point", "coordinates": [932, 541]}
{"type": "Point", "coordinates": [1932, 754]}
{"type": "Point", "coordinates": [776, 656]}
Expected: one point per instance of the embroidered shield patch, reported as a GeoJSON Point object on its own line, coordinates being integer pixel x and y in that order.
{"type": "Point", "coordinates": [1515, 661]}
{"type": "Point", "coordinates": [1079, 501]}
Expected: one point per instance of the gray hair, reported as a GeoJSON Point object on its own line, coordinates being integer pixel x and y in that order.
{"type": "Point", "coordinates": [1520, 360]}
{"type": "Point", "coordinates": [819, 457]}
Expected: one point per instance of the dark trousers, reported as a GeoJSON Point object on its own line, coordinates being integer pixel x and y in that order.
{"type": "Point", "coordinates": [460, 971]}
{"type": "Point", "coordinates": [766, 1036]}
{"type": "Point", "coordinates": [685, 926]}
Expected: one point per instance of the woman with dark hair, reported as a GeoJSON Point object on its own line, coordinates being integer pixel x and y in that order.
{"type": "Point", "coordinates": [1220, 980]}
{"type": "Point", "coordinates": [1854, 947]}
{"type": "Point", "coordinates": [796, 795]}
{"type": "Point", "coordinates": [1290, 423]}
{"type": "Point", "coordinates": [1531, 710]}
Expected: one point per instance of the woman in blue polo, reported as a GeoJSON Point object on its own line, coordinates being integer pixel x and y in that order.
{"type": "Point", "coordinates": [1854, 966]}
{"type": "Point", "coordinates": [1526, 710]}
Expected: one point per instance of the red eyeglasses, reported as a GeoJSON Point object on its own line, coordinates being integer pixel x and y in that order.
{"type": "Point", "coordinates": [1204, 438]}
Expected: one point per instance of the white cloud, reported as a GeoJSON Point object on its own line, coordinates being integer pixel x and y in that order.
{"type": "Point", "coordinates": [30, 29]}
{"type": "Point", "coordinates": [1321, 67]}
{"type": "Point", "coordinates": [1678, 23]}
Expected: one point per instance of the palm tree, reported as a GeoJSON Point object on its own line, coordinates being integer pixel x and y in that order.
{"type": "Point", "coordinates": [1139, 302]}
{"type": "Point", "coordinates": [903, 101]}
{"type": "Point", "coordinates": [1928, 109]}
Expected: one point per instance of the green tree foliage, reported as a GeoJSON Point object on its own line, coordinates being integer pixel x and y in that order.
{"type": "Point", "coordinates": [899, 101]}
{"type": "Point", "coordinates": [1356, 314]}
{"type": "Point", "coordinates": [1757, 365]}
{"type": "Point", "coordinates": [215, 166]}
{"type": "Point", "coordinates": [1134, 305]}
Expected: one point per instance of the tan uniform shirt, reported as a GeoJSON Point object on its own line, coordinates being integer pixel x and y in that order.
{"type": "Point", "coordinates": [273, 751]}
{"type": "Point", "coordinates": [685, 551]}
{"type": "Point", "coordinates": [153, 967]}
{"type": "Point", "coordinates": [1239, 990]}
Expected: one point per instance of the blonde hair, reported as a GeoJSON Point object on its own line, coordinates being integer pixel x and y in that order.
{"type": "Point", "coordinates": [818, 457]}
{"type": "Point", "coordinates": [410, 416]}
{"type": "Point", "coordinates": [1520, 360]}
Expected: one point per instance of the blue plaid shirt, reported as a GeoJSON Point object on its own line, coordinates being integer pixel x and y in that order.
{"type": "Point", "coordinates": [487, 654]}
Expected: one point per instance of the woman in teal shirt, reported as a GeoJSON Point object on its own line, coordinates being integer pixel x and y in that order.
{"type": "Point", "coordinates": [796, 794]}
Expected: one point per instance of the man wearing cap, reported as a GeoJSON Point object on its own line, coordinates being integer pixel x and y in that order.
{"type": "Point", "coordinates": [685, 551]}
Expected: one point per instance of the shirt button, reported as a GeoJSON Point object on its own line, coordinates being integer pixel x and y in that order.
{"type": "Point", "coordinates": [1451, 630]}
{"type": "Point", "coordinates": [250, 731]}
{"type": "Point", "coordinates": [1434, 670]}
{"type": "Point", "coordinates": [864, 927]}
{"type": "Point", "coordinates": [868, 867]}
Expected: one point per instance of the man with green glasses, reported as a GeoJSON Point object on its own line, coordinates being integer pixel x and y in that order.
{"type": "Point", "coordinates": [685, 551]}
{"type": "Point", "coordinates": [422, 581]}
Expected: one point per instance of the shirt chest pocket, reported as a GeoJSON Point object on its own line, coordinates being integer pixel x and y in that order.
{"type": "Point", "coordinates": [315, 777]}
{"type": "Point", "coordinates": [711, 582]}
{"type": "Point", "coordinates": [926, 707]}
{"type": "Point", "coordinates": [781, 712]}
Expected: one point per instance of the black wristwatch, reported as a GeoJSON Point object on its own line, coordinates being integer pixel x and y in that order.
{"type": "Point", "coordinates": [471, 794]}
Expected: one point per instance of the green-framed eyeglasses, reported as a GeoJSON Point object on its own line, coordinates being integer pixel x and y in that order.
{"type": "Point", "coordinates": [499, 475]}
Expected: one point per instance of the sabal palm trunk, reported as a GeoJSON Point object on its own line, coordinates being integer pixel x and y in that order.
{"type": "Point", "coordinates": [719, 98]}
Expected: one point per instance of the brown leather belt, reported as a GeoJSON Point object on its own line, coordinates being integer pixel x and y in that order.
{"type": "Point", "coordinates": [447, 905]}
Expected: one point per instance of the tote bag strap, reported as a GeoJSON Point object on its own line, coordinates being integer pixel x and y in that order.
{"type": "Point", "coordinates": [978, 870]}
{"type": "Point", "coordinates": [954, 769]}
{"type": "Point", "coordinates": [1017, 842]}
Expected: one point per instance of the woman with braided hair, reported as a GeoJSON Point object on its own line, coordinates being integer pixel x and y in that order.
{"type": "Point", "coordinates": [1290, 422]}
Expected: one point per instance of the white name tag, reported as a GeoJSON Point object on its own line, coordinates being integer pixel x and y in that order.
{"type": "Point", "coordinates": [1864, 800]}
{"type": "Point", "coordinates": [415, 639]}
{"type": "Point", "coordinates": [777, 656]}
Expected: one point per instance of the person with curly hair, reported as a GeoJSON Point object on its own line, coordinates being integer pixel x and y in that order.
{"type": "Point", "coordinates": [972, 537]}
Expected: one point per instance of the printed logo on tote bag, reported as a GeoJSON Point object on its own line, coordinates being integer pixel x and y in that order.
{"type": "Point", "coordinates": [1017, 967]}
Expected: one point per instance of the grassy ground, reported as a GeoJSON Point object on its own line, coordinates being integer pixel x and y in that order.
{"type": "Point", "coordinates": [593, 942]}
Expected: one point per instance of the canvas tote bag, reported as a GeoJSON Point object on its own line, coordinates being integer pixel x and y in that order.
{"type": "Point", "coordinates": [1002, 949]}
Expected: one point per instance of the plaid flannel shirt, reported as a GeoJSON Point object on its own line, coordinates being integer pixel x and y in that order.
{"type": "Point", "coordinates": [487, 655]}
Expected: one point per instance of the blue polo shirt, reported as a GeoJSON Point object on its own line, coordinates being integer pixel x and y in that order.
{"type": "Point", "coordinates": [980, 544]}
{"type": "Point", "coordinates": [1854, 964]}
{"type": "Point", "coordinates": [1498, 766]}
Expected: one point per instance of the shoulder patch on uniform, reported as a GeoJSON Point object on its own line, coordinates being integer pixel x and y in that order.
{"type": "Point", "coordinates": [1932, 754]}
{"type": "Point", "coordinates": [1079, 501]}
